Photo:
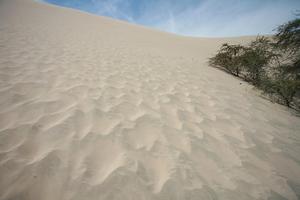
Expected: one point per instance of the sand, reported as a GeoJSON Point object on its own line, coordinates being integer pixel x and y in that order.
{"type": "Point", "coordinates": [95, 108]}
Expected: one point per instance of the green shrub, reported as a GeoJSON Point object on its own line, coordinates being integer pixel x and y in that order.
{"type": "Point", "coordinates": [228, 58]}
{"type": "Point", "coordinates": [288, 35]}
{"type": "Point", "coordinates": [274, 67]}
{"type": "Point", "coordinates": [288, 42]}
{"type": "Point", "coordinates": [284, 89]}
{"type": "Point", "coordinates": [255, 59]}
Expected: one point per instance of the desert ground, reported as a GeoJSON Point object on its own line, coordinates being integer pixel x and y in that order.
{"type": "Point", "coordinates": [93, 108]}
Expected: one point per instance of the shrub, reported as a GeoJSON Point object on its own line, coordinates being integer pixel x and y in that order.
{"type": "Point", "coordinates": [285, 89]}
{"type": "Point", "coordinates": [228, 58]}
{"type": "Point", "coordinates": [256, 58]}
{"type": "Point", "coordinates": [272, 66]}
{"type": "Point", "coordinates": [288, 41]}
{"type": "Point", "coordinates": [288, 35]}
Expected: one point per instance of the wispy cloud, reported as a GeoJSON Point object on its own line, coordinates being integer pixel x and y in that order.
{"type": "Point", "coordinates": [195, 17]}
{"type": "Point", "coordinates": [112, 8]}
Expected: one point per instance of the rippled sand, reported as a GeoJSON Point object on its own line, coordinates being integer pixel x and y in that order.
{"type": "Point", "coordinates": [93, 108]}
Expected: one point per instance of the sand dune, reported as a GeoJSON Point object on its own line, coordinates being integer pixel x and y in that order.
{"type": "Point", "coordinates": [94, 108]}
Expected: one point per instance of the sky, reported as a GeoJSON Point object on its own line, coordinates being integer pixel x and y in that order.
{"type": "Point", "coordinates": [199, 18]}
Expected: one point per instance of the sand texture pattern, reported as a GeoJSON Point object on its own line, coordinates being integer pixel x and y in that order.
{"type": "Point", "coordinates": [97, 109]}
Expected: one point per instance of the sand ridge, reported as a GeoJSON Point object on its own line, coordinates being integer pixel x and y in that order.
{"type": "Point", "coordinates": [92, 108]}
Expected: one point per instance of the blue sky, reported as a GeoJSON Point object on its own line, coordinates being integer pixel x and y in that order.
{"type": "Point", "coordinates": [208, 18]}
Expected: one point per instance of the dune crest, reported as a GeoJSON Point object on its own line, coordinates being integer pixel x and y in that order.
{"type": "Point", "coordinates": [93, 108]}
